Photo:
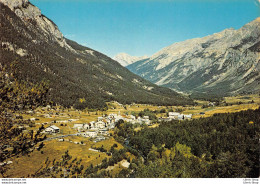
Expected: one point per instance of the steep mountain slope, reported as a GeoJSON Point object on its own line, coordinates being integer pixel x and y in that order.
{"type": "Point", "coordinates": [125, 59]}
{"type": "Point", "coordinates": [34, 47]}
{"type": "Point", "coordinates": [223, 63]}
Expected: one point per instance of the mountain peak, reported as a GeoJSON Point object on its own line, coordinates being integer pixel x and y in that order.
{"type": "Point", "coordinates": [32, 17]}
{"type": "Point", "coordinates": [14, 4]}
{"type": "Point", "coordinates": [125, 59]}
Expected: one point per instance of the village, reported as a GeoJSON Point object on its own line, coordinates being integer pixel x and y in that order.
{"type": "Point", "coordinates": [99, 130]}
{"type": "Point", "coordinates": [60, 123]}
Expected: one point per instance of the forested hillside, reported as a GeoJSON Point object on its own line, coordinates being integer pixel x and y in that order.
{"type": "Point", "coordinates": [22, 96]}
{"type": "Point", "coordinates": [77, 76]}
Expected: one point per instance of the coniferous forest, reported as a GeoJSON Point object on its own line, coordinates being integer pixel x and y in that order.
{"type": "Point", "coordinates": [224, 146]}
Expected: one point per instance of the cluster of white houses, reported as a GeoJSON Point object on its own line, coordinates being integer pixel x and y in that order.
{"type": "Point", "coordinates": [179, 116]}
{"type": "Point", "coordinates": [99, 129]}
{"type": "Point", "coordinates": [176, 116]}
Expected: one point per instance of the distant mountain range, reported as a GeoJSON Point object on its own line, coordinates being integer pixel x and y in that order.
{"type": "Point", "coordinates": [125, 59]}
{"type": "Point", "coordinates": [224, 63]}
{"type": "Point", "coordinates": [33, 44]}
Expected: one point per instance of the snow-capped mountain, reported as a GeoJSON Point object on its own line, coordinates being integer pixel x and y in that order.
{"type": "Point", "coordinates": [223, 63]}
{"type": "Point", "coordinates": [125, 59]}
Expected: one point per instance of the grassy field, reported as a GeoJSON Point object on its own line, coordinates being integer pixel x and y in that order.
{"type": "Point", "coordinates": [27, 165]}
{"type": "Point", "coordinates": [234, 104]}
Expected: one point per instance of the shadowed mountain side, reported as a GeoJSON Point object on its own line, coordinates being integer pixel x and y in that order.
{"type": "Point", "coordinates": [37, 49]}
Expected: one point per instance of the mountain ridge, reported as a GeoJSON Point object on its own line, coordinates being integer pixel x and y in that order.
{"type": "Point", "coordinates": [224, 63]}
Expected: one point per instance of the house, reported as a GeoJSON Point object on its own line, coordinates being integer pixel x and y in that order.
{"type": "Point", "coordinates": [103, 131]}
{"type": "Point", "coordinates": [100, 125]}
{"type": "Point", "coordinates": [132, 117]}
{"type": "Point", "coordinates": [147, 121]}
{"type": "Point", "coordinates": [100, 118]}
{"type": "Point", "coordinates": [146, 117]}
{"type": "Point", "coordinates": [189, 116]}
{"type": "Point", "coordinates": [100, 138]}
{"type": "Point", "coordinates": [139, 120]}
{"type": "Point", "coordinates": [181, 117]}
{"type": "Point", "coordinates": [174, 115]}
{"type": "Point", "coordinates": [47, 115]}
{"type": "Point", "coordinates": [111, 125]}
{"type": "Point", "coordinates": [91, 134]}
{"type": "Point", "coordinates": [118, 117]}
{"type": "Point", "coordinates": [52, 129]}
{"type": "Point", "coordinates": [211, 104]}
{"type": "Point", "coordinates": [62, 121]}
{"type": "Point", "coordinates": [92, 124]}
{"type": "Point", "coordinates": [78, 126]}
{"type": "Point", "coordinates": [164, 119]}
{"type": "Point", "coordinates": [86, 126]}
{"type": "Point", "coordinates": [71, 120]}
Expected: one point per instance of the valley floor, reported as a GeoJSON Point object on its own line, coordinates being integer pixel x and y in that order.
{"type": "Point", "coordinates": [83, 148]}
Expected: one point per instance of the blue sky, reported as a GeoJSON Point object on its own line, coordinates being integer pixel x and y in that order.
{"type": "Point", "coordinates": [143, 27]}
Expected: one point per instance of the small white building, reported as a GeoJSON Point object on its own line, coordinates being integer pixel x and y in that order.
{"type": "Point", "coordinates": [189, 116]}
{"type": "Point", "coordinates": [52, 129]}
{"type": "Point", "coordinates": [174, 115]}
{"type": "Point", "coordinates": [78, 125]}
{"type": "Point", "coordinates": [91, 134]}
{"type": "Point", "coordinates": [100, 125]}
{"type": "Point", "coordinates": [100, 118]}
{"type": "Point", "coordinates": [86, 126]}
{"type": "Point", "coordinates": [92, 124]}
{"type": "Point", "coordinates": [111, 125]}
{"type": "Point", "coordinates": [181, 117]}
{"type": "Point", "coordinates": [132, 117]}
{"type": "Point", "coordinates": [103, 131]}
{"type": "Point", "coordinates": [146, 117]}
{"type": "Point", "coordinates": [100, 138]}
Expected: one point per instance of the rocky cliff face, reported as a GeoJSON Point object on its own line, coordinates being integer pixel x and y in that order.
{"type": "Point", "coordinates": [125, 59]}
{"type": "Point", "coordinates": [31, 14]}
{"type": "Point", "coordinates": [223, 63]}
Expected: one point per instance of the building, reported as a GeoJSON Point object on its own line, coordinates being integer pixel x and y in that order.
{"type": "Point", "coordinates": [100, 138]}
{"type": "Point", "coordinates": [78, 127]}
{"type": "Point", "coordinates": [91, 134]}
{"type": "Point", "coordinates": [146, 117]}
{"type": "Point", "coordinates": [86, 126]}
{"type": "Point", "coordinates": [174, 115]}
{"type": "Point", "coordinates": [132, 117]}
{"type": "Point", "coordinates": [100, 125]}
{"type": "Point", "coordinates": [92, 124]}
{"type": "Point", "coordinates": [103, 131]}
{"type": "Point", "coordinates": [189, 116]}
{"type": "Point", "coordinates": [181, 117]}
{"type": "Point", "coordinates": [52, 129]}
